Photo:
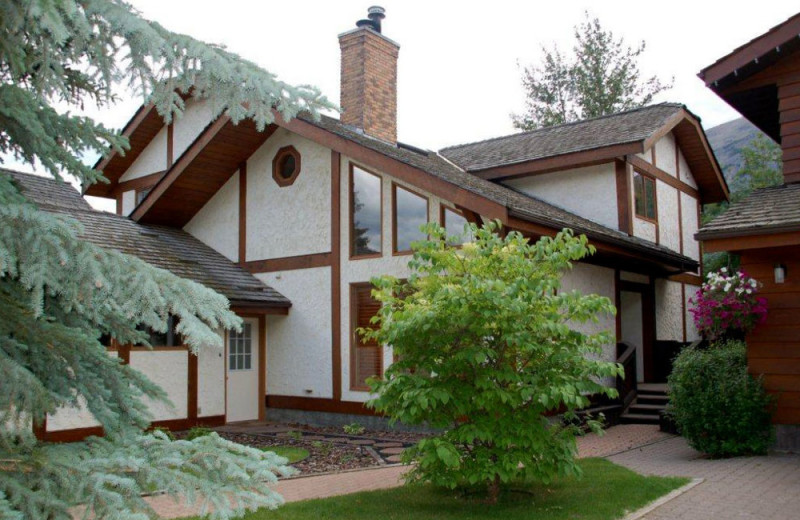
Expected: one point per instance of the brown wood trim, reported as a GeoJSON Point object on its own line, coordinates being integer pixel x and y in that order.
{"type": "Point", "coordinates": [403, 172]}
{"type": "Point", "coordinates": [192, 385]}
{"type": "Point", "coordinates": [140, 115]}
{"type": "Point", "coordinates": [79, 434]}
{"type": "Point", "coordinates": [647, 168]}
{"type": "Point", "coordinates": [393, 209]}
{"type": "Point", "coordinates": [289, 263]}
{"type": "Point", "coordinates": [687, 278]}
{"type": "Point", "coordinates": [145, 181]}
{"type": "Point", "coordinates": [561, 162]}
{"type": "Point", "coordinates": [124, 353]}
{"type": "Point", "coordinates": [667, 127]}
{"type": "Point", "coordinates": [170, 143]}
{"type": "Point", "coordinates": [279, 179]}
{"type": "Point", "coordinates": [653, 154]}
{"type": "Point", "coordinates": [243, 310]}
{"type": "Point", "coordinates": [158, 348]}
{"type": "Point", "coordinates": [119, 204]}
{"type": "Point", "coordinates": [624, 190]}
{"type": "Point", "coordinates": [262, 365]}
{"type": "Point", "coordinates": [40, 428]}
{"type": "Point", "coordinates": [243, 213]}
{"type": "Point", "coordinates": [618, 304]}
{"type": "Point", "coordinates": [336, 280]}
{"type": "Point", "coordinates": [760, 241]}
{"type": "Point", "coordinates": [183, 162]}
{"type": "Point", "coordinates": [73, 435]}
{"type": "Point", "coordinates": [313, 404]}
{"type": "Point", "coordinates": [351, 210]}
{"type": "Point", "coordinates": [470, 216]}
{"type": "Point", "coordinates": [680, 222]}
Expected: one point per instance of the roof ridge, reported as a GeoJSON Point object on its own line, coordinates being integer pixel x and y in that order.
{"type": "Point", "coordinates": [564, 125]}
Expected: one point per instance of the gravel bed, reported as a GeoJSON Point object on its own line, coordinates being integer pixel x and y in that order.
{"type": "Point", "coordinates": [405, 437]}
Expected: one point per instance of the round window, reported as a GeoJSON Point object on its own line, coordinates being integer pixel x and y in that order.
{"type": "Point", "coordinates": [286, 166]}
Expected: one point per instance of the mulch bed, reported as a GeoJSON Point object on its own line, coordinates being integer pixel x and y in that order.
{"type": "Point", "coordinates": [404, 437]}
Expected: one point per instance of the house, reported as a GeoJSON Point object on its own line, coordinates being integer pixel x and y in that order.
{"type": "Point", "coordinates": [761, 79]}
{"type": "Point", "coordinates": [313, 209]}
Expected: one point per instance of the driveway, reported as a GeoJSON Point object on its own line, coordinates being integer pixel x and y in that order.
{"type": "Point", "coordinates": [765, 488]}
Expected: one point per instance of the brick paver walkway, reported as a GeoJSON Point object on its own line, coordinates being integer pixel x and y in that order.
{"type": "Point", "coordinates": [744, 487]}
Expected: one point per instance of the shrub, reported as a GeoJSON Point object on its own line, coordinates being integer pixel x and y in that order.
{"type": "Point", "coordinates": [198, 431]}
{"type": "Point", "coordinates": [353, 429]}
{"type": "Point", "coordinates": [485, 347]}
{"type": "Point", "coordinates": [719, 408]}
{"type": "Point", "coordinates": [728, 305]}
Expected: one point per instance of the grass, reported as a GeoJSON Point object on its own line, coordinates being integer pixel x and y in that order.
{"type": "Point", "coordinates": [293, 453]}
{"type": "Point", "coordinates": [605, 492]}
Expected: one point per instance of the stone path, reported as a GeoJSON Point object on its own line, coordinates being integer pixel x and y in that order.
{"type": "Point", "coordinates": [740, 488]}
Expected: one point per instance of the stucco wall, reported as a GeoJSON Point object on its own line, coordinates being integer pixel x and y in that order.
{"type": "Point", "coordinates": [686, 172]}
{"type": "Point", "coordinates": [593, 279]}
{"type": "Point", "coordinates": [151, 160]}
{"type": "Point", "coordinates": [73, 418]}
{"type": "Point", "coordinates": [669, 228]}
{"type": "Point", "coordinates": [169, 370]}
{"type": "Point", "coordinates": [217, 223]}
{"type": "Point", "coordinates": [211, 382]}
{"type": "Point", "coordinates": [691, 247]}
{"type": "Point", "coordinates": [128, 202]}
{"type": "Point", "coordinates": [299, 345]}
{"type": "Point", "coordinates": [665, 154]}
{"type": "Point", "coordinates": [669, 310]}
{"type": "Point", "coordinates": [292, 220]}
{"type": "Point", "coordinates": [188, 125]}
{"type": "Point", "coordinates": [644, 229]}
{"type": "Point", "coordinates": [691, 330]}
{"type": "Point", "coordinates": [590, 192]}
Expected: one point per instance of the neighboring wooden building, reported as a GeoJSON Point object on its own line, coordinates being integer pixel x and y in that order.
{"type": "Point", "coordinates": [314, 209]}
{"type": "Point", "coordinates": [761, 79]}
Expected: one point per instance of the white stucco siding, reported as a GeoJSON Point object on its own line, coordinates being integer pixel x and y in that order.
{"type": "Point", "coordinates": [689, 215]}
{"type": "Point", "coordinates": [593, 279]}
{"type": "Point", "coordinates": [669, 310]}
{"type": "Point", "coordinates": [292, 220]}
{"type": "Point", "coordinates": [128, 202]}
{"type": "Point", "coordinates": [299, 345]}
{"type": "Point", "coordinates": [211, 382]}
{"type": "Point", "coordinates": [169, 369]}
{"type": "Point", "coordinates": [187, 126]}
{"type": "Point", "coordinates": [644, 229]}
{"type": "Point", "coordinates": [590, 192]}
{"type": "Point", "coordinates": [691, 330]}
{"type": "Point", "coordinates": [685, 171]}
{"type": "Point", "coordinates": [151, 160]}
{"type": "Point", "coordinates": [73, 418]}
{"type": "Point", "coordinates": [217, 223]}
{"type": "Point", "coordinates": [669, 232]}
{"type": "Point", "coordinates": [665, 154]}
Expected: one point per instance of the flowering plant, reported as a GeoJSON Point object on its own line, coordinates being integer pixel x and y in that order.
{"type": "Point", "coordinates": [728, 303]}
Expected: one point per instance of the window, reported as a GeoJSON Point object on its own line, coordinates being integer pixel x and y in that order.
{"type": "Point", "coordinates": [366, 356]}
{"type": "Point", "coordinates": [410, 211]}
{"type": "Point", "coordinates": [644, 190]}
{"type": "Point", "coordinates": [240, 349]}
{"type": "Point", "coordinates": [365, 213]}
{"type": "Point", "coordinates": [170, 338]}
{"type": "Point", "coordinates": [454, 222]}
{"type": "Point", "coordinates": [286, 166]}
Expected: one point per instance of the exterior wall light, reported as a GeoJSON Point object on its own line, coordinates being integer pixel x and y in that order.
{"type": "Point", "coordinates": [780, 273]}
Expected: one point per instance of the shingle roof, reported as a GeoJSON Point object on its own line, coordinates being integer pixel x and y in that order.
{"type": "Point", "coordinates": [519, 204]}
{"type": "Point", "coordinates": [168, 248]}
{"type": "Point", "coordinates": [622, 128]}
{"type": "Point", "coordinates": [774, 209]}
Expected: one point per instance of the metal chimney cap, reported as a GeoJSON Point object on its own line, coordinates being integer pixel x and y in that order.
{"type": "Point", "coordinates": [376, 11]}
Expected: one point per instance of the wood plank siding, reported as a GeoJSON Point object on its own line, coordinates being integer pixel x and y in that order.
{"type": "Point", "coordinates": [773, 349]}
{"type": "Point", "coordinates": [789, 106]}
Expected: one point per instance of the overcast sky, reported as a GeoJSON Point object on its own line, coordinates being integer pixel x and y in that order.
{"type": "Point", "coordinates": [459, 73]}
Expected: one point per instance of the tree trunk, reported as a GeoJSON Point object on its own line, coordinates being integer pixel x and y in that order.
{"type": "Point", "coordinates": [494, 490]}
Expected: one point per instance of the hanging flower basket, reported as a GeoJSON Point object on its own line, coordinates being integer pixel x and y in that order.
{"type": "Point", "coordinates": [728, 306]}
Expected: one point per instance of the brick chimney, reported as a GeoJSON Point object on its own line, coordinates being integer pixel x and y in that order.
{"type": "Point", "coordinates": [369, 78]}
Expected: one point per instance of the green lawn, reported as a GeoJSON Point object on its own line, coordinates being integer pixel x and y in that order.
{"type": "Point", "coordinates": [294, 454]}
{"type": "Point", "coordinates": [605, 492]}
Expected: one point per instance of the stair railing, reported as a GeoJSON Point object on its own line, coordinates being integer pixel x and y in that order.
{"type": "Point", "coordinates": [626, 386]}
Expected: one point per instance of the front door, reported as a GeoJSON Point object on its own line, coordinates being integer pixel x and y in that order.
{"type": "Point", "coordinates": [637, 320]}
{"type": "Point", "coordinates": [242, 377]}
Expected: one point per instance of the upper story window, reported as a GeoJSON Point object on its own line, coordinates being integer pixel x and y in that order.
{"type": "Point", "coordinates": [365, 213]}
{"type": "Point", "coordinates": [410, 212]}
{"type": "Point", "coordinates": [454, 223]}
{"type": "Point", "coordinates": [286, 166]}
{"type": "Point", "coordinates": [141, 194]}
{"type": "Point", "coordinates": [644, 192]}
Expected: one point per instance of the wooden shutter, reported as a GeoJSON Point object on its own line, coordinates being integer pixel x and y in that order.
{"type": "Point", "coordinates": [366, 355]}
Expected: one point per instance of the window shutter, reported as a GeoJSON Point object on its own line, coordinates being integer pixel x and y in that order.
{"type": "Point", "coordinates": [367, 355]}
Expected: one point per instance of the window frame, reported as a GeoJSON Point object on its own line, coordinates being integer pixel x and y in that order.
{"type": "Point", "coordinates": [395, 187]}
{"type": "Point", "coordinates": [279, 179]}
{"type": "Point", "coordinates": [351, 211]}
{"type": "Point", "coordinates": [245, 335]}
{"type": "Point", "coordinates": [645, 179]}
{"type": "Point", "coordinates": [144, 191]}
{"type": "Point", "coordinates": [355, 340]}
{"type": "Point", "coordinates": [443, 209]}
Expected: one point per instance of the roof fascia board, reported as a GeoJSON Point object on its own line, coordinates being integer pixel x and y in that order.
{"type": "Point", "coordinates": [755, 239]}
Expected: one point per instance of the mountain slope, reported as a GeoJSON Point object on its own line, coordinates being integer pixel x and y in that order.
{"type": "Point", "coordinates": [727, 140]}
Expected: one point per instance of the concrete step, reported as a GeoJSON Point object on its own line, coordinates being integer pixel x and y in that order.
{"type": "Point", "coordinates": [651, 408]}
{"type": "Point", "coordinates": [661, 400]}
{"type": "Point", "coordinates": [638, 418]}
